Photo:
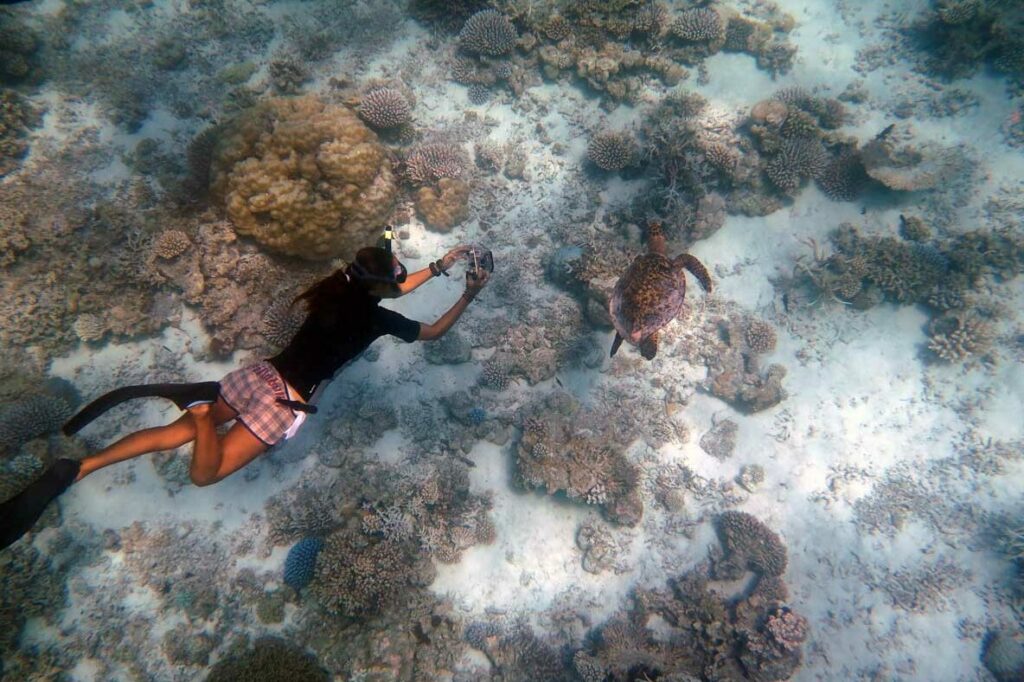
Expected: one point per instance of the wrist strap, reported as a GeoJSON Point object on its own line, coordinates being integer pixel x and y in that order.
{"type": "Point", "coordinates": [435, 269]}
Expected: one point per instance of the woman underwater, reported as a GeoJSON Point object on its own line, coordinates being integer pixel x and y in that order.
{"type": "Point", "coordinates": [269, 399]}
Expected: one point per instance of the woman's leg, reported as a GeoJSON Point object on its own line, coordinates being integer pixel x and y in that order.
{"type": "Point", "coordinates": [216, 458]}
{"type": "Point", "coordinates": [155, 439]}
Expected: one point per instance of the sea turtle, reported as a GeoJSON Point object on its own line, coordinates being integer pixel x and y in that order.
{"type": "Point", "coordinates": [650, 293]}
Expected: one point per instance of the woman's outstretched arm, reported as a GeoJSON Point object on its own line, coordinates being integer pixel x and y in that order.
{"type": "Point", "coordinates": [429, 332]}
{"type": "Point", "coordinates": [443, 264]}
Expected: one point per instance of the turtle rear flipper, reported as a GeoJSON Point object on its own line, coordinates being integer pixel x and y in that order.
{"type": "Point", "coordinates": [696, 269]}
{"type": "Point", "coordinates": [649, 346]}
{"type": "Point", "coordinates": [615, 344]}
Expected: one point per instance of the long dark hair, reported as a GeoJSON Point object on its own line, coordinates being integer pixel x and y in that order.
{"type": "Point", "coordinates": [340, 291]}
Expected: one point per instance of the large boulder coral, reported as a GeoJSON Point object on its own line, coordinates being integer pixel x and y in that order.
{"type": "Point", "coordinates": [271, 659]}
{"type": "Point", "coordinates": [303, 178]}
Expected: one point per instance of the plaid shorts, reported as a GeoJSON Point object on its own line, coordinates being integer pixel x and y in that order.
{"type": "Point", "coordinates": [252, 391]}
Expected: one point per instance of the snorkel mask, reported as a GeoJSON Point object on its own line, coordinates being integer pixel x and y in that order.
{"type": "Point", "coordinates": [399, 272]}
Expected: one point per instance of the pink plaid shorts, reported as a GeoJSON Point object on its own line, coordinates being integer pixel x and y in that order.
{"type": "Point", "coordinates": [252, 391]}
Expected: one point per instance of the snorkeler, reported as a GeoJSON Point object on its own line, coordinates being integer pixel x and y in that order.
{"type": "Point", "coordinates": [268, 400]}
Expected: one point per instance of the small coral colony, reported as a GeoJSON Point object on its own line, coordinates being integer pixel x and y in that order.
{"type": "Point", "coordinates": [282, 163]}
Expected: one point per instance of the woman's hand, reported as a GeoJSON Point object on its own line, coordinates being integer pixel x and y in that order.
{"type": "Point", "coordinates": [452, 257]}
{"type": "Point", "coordinates": [475, 282]}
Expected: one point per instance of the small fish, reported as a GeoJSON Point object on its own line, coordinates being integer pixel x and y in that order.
{"type": "Point", "coordinates": [559, 382]}
{"type": "Point", "coordinates": [885, 133]}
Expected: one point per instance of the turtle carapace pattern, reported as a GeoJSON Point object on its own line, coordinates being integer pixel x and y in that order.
{"type": "Point", "coordinates": [650, 293]}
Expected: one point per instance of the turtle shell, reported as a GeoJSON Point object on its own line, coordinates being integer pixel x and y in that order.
{"type": "Point", "coordinates": [647, 297]}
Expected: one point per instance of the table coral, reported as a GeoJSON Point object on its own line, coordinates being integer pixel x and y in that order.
{"type": "Point", "coordinates": [303, 178]}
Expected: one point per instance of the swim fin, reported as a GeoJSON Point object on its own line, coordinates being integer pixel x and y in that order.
{"type": "Point", "coordinates": [20, 513]}
{"type": "Point", "coordinates": [182, 395]}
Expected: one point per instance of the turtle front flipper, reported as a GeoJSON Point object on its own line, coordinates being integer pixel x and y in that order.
{"type": "Point", "coordinates": [615, 344]}
{"type": "Point", "coordinates": [696, 269]}
{"type": "Point", "coordinates": [649, 346]}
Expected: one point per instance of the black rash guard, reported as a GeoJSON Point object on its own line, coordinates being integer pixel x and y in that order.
{"type": "Point", "coordinates": [326, 341]}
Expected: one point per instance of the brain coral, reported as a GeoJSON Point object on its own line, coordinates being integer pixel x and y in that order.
{"type": "Point", "coordinates": [445, 207]}
{"type": "Point", "coordinates": [488, 32]}
{"type": "Point", "coordinates": [300, 563]}
{"type": "Point", "coordinates": [303, 178]}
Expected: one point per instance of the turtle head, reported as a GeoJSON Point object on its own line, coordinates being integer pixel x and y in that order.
{"type": "Point", "coordinates": [655, 237]}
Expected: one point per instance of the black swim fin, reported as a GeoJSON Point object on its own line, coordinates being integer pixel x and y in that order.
{"type": "Point", "coordinates": [182, 395]}
{"type": "Point", "coordinates": [20, 513]}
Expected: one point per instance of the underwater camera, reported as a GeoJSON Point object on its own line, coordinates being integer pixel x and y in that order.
{"type": "Point", "coordinates": [479, 257]}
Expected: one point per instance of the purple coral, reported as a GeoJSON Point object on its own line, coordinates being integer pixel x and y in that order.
{"type": "Point", "coordinates": [488, 32]}
{"type": "Point", "coordinates": [385, 108]}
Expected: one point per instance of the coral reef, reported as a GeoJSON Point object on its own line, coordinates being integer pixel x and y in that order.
{"type": "Point", "coordinates": [358, 574]}
{"type": "Point", "coordinates": [760, 336]}
{"type": "Point", "coordinates": [699, 25]}
{"type": "Point", "coordinates": [31, 417]}
{"type": "Point", "coordinates": [599, 547]}
{"type": "Point", "coordinates": [581, 455]}
{"type": "Point", "coordinates": [270, 659]}
{"type": "Point", "coordinates": [488, 32]}
{"type": "Point", "coordinates": [751, 477]}
{"type": "Point", "coordinates": [749, 544]}
{"type": "Point", "coordinates": [797, 160]}
{"type": "Point", "coordinates": [1003, 655]}
{"type": "Point", "coordinates": [958, 335]}
{"type": "Point", "coordinates": [516, 653]}
{"type": "Point", "coordinates": [429, 163]}
{"type": "Point", "coordinates": [300, 564]}
{"type": "Point", "coordinates": [16, 117]}
{"type": "Point", "coordinates": [704, 635]}
{"type": "Point", "coordinates": [18, 47]}
{"type": "Point", "coordinates": [444, 206]}
{"type": "Point", "coordinates": [30, 586]}
{"type": "Point", "coordinates": [612, 150]}
{"type": "Point", "coordinates": [170, 244]}
{"type": "Point", "coordinates": [720, 441]}
{"type": "Point", "coordinates": [384, 108]}
{"type": "Point", "coordinates": [303, 178]}
{"type": "Point", "coordinates": [894, 160]}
